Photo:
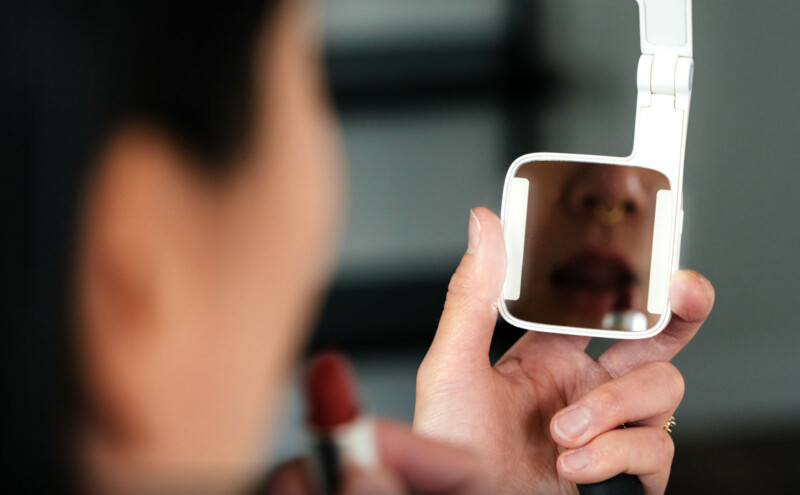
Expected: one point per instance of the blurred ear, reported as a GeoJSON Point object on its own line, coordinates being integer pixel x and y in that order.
{"type": "Point", "coordinates": [145, 219]}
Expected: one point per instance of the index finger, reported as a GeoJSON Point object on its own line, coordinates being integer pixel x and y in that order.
{"type": "Point", "coordinates": [692, 297]}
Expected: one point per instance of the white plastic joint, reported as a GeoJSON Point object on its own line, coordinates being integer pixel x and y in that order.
{"type": "Point", "coordinates": [666, 67]}
{"type": "Point", "coordinates": [665, 74]}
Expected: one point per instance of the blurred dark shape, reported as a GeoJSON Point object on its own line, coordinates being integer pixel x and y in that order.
{"type": "Point", "coordinates": [71, 72]}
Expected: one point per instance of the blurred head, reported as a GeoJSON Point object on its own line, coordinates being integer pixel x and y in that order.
{"type": "Point", "coordinates": [588, 242]}
{"type": "Point", "coordinates": [206, 227]}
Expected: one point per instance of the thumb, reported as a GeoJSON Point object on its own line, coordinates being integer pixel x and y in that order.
{"type": "Point", "coordinates": [470, 311]}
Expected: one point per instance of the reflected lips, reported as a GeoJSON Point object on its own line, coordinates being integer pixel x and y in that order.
{"type": "Point", "coordinates": [593, 281]}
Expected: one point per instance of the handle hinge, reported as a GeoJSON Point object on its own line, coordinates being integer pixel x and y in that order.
{"type": "Point", "coordinates": [666, 74]}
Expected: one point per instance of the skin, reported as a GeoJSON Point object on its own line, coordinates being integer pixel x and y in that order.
{"type": "Point", "coordinates": [410, 464]}
{"type": "Point", "coordinates": [194, 293]}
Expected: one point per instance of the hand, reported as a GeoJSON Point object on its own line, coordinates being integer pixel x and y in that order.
{"type": "Point", "coordinates": [409, 464]}
{"type": "Point", "coordinates": [406, 461]}
{"type": "Point", "coordinates": [513, 414]}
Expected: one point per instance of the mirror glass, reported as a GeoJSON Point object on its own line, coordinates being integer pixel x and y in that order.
{"type": "Point", "coordinates": [585, 241]}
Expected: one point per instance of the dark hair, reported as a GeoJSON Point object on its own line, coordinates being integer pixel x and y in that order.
{"type": "Point", "coordinates": [74, 73]}
{"type": "Point", "coordinates": [184, 65]}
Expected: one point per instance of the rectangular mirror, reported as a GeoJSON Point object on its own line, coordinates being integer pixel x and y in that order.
{"type": "Point", "coordinates": [589, 245]}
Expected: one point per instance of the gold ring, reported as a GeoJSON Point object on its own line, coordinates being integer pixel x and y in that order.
{"type": "Point", "coordinates": [670, 424]}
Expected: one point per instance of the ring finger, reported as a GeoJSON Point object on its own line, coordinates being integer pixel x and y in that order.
{"type": "Point", "coordinates": [647, 395]}
{"type": "Point", "coordinates": [643, 451]}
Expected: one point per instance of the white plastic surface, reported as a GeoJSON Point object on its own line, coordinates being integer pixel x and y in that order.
{"type": "Point", "coordinates": [660, 256]}
{"type": "Point", "coordinates": [666, 26]}
{"type": "Point", "coordinates": [629, 321]}
{"type": "Point", "coordinates": [664, 82]}
{"type": "Point", "coordinates": [356, 443]}
{"type": "Point", "coordinates": [517, 197]}
{"type": "Point", "coordinates": [662, 75]}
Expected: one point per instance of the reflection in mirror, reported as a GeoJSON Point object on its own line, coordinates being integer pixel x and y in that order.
{"type": "Point", "coordinates": [588, 244]}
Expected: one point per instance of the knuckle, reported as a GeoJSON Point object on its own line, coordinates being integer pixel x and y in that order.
{"type": "Point", "coordinates": [465, 294]}
{"type": "Point", "coordinates": [665, 449]}
{"type": "Point", "coordinates": [425, 371]}
{"type": "Point", "coordinates": [606, 452]}
{"type": "Point", "coordinates": [672, 379]}
{"type": "Point", "coordinates": [679, 387]}
{"type": "Point", "coordinates": [432, 373]}
{"type": "Point", "coordinates": [610, 400]}
{"type": "Point", "coordinates": [461, 284]}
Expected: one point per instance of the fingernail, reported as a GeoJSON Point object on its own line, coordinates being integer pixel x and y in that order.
{"type": "Point", "coordinates": [474, 233]}
{"type": "Point", "coordinates": [575, 460]}
{"type": "Point", "coordinates": [572, 423]}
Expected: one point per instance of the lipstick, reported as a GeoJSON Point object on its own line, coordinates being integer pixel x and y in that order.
{"type": "Point", "coordinates": [623, 316]}
{"type": "Point", "coordinates": [342, 438]}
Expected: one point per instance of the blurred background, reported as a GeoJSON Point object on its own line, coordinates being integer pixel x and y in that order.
{"type": "Point", "coordinates": [437, 98]}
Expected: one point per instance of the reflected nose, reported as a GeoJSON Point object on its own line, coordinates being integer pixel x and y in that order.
{"type": "Point", "coordinates": [606, 194]}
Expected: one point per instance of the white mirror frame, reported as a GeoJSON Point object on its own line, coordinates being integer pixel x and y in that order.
{"type": "Point", "coordinates": [664, 82]}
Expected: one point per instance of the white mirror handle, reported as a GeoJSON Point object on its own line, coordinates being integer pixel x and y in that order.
{"type": "Point", "coordinates": [664, 80]}
{"type": "Point", "coordinates": [666, 27]}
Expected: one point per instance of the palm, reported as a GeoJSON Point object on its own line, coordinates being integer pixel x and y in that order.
{"type": "Point", "coordinates": [504, 411]}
